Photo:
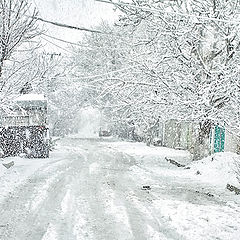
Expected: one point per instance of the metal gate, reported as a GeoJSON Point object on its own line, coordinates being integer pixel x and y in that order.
{"type": "Point", "coordinates": [219, 139]}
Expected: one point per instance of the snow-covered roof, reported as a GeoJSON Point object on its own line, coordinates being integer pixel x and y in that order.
{"type": "Point", "coordinates": [30, 100]}
{"type": "Point", "coordinates": [31, 97]}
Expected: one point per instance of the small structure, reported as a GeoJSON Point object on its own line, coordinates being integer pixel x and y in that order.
{"type": "Point", "coordinates": [223, 139]}
{"type": "Point", "coordinates": [179, 134]}
{"type": "Point", "coordinates": [183, 135]}
{"type": "Point", "coordinates": [25, 130]}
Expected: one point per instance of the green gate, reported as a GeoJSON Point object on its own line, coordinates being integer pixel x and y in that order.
{"type": "Point", "coordinates": [219, 139]}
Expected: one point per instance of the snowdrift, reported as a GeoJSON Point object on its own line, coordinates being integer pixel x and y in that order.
{"type": "Point", "coordinates": [218, 169]}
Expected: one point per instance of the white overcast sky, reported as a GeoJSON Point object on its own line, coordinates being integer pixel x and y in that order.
{"type": "Point", "coordinates": [81, 13]}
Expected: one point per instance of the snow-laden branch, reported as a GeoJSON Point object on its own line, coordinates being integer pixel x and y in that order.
{"type": "Point", "coordinates": [159, 12]}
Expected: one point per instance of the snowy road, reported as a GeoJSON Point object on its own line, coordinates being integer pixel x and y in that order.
{"type": "Point", "coordinates": [93, 191]}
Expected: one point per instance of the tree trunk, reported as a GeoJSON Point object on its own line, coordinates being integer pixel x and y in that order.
{"type": "Point", "coordinates": [202, 146]}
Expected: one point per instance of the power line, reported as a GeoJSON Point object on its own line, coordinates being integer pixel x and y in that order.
{"type": "Point", "coordinates": [63, 25]}
{"type": "Point", "coordinates": [65, 41]}
{"type": "Point", "coordinates": [157, 11]}
{"type": "Point", "coordinates": [79, 44]}
{"type": "Point", "coordinates": [56, 45]}
{"type": "Point", "coordinates": [102, 74]}
{"type": "Point", "coordinates": [45, 35]}
{"type": "Point", "coordinates": [74, 43]}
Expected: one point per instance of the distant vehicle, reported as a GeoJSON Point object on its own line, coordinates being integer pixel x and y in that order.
{"type": "Point", "coordinates": [25, 130]}
{"type": "Point", "coordinates": [104, 133]}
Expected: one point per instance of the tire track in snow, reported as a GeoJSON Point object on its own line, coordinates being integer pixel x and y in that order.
{"type": "Point", "coordinates": [178, 205]}
{"type": "Point", "coordinates": [145, 224]}
{"type": "Point", "coordinates": [95, 194]}
{"type": "Point", "coordinates": [34, 209]}
{"type": "Point", "coordinates": [112, 195]}
{"type": "Point", "coordinates": [105, 219]}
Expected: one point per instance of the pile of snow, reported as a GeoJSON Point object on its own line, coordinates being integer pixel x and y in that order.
{"type": "Point", "coordinates": [144, 151]}
{"type": "Point", "coordinates": [218, 169]}
{"type": "Point", "coordinates": [20, 171]}
{"type": "Point", "coordinates": [2, 169]}
{"type": "Point", "coordinates": [16, 174]}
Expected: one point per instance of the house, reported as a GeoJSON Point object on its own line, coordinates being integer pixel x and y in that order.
{"type": "Point", "coordinates": [183, 135]}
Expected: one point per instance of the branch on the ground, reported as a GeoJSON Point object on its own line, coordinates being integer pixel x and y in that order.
{"type": "Point", "coordinates": [8, 165]}
{"type": "Point", "coordinates": [233, 189]}
{"type": "Point", "coordinates": [174, 162]}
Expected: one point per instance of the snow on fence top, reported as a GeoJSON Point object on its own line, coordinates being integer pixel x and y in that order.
{"type": "Point", "coordinates": [31, 97]}
{"type": "Point", "coordinates": [31, 100]}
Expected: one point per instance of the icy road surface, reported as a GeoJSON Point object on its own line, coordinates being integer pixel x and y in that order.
{"type": "Point", "coordinates": [90, 190]}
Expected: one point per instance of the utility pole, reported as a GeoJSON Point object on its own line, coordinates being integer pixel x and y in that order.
{"type": "Point", "coordinates": [52, 55]}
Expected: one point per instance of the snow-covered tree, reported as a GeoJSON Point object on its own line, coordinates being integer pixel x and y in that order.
{"type": "Point", "coordinates": [18, 61]}
{"type": "Point", "coordinates": [190, 55]}
{"type": "Point", "coordinates": [167, 60]}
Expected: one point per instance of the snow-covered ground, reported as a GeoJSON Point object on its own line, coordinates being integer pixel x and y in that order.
{"type": "Point", "coordinates": [22, 170]}
{"type": "Point", "coordinates": [92, 189]}
{"type": "Point", "coordinates": [194, 199]}
{"type": "Point", "coordinates": [218, 169]}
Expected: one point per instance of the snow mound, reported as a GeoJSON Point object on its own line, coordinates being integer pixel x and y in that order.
{"type": "Point", "coordinates": [218, 169]}
{"type": "Point", "coordinates": [17, 174]}
{"type": "Point", "coordinates": [150, 152]}
{"type": "Point", "coordinates": [2, 169]}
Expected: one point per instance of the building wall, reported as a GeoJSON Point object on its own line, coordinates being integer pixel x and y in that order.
{"type": "Point", "coordinates": [182, 135]}
{"type": "Point", "coordinates": [184, 132]}
{"type": "Point", "coordinates": [232, 142]}
{"type": "Point", "coordinates": [179, 134]}
{"type": "Point", "coordinates": [171, 134]}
